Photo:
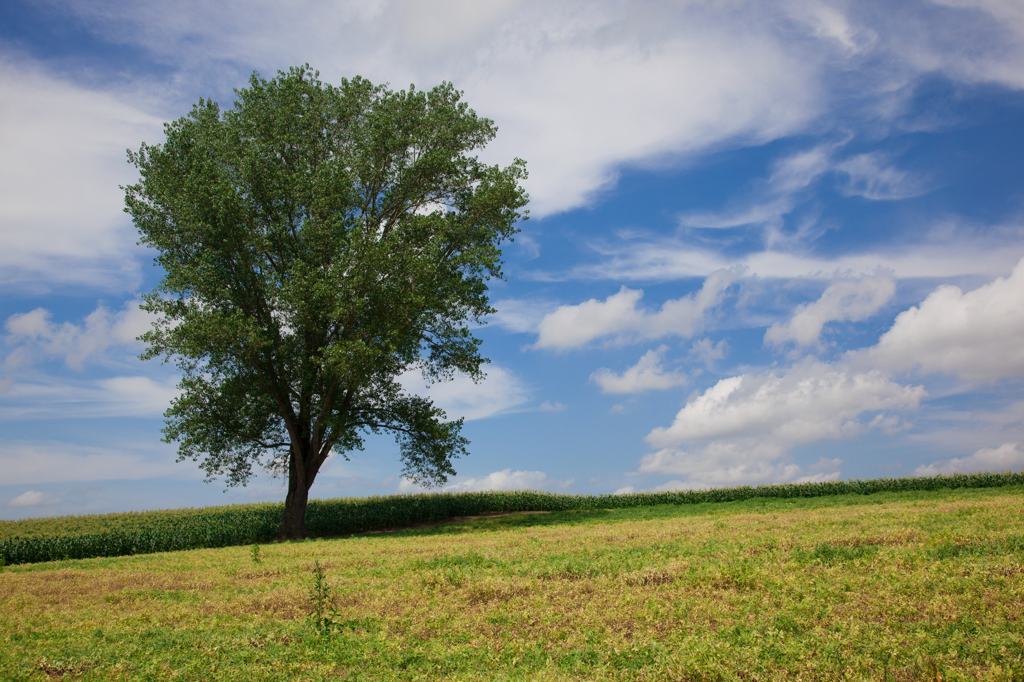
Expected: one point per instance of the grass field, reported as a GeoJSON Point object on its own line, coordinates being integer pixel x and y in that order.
{"type": "Point", "coordinates": [109, 535]}
{"type": "Point", "coordinates": [915, 585]}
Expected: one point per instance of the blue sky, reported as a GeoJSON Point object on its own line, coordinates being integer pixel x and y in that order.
{"type": "Point", "coordinates": [769, 241]}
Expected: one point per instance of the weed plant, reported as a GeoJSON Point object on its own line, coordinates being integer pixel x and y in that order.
{"type": "Point", "coordinates": [321, 601]}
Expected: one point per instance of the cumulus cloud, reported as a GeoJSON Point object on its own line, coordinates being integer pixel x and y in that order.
{"type": "Point", "coordinates": [809, 402]}
{"type": "Point", "coordinates": [849, 300]}
{"type": "Point", "coordinates": [708, 352]}
{"type": "Point", "coordinates": [35, 334]}
{"type": "Point", "coordinates": [1007, 457]}
{"type": "Point", "coordinates": [741, 429]}
{"type": "Point", "coordinates": [548, 406]}
{"type": "Point", "coordinates": [501, 392]}
{"type": "Point", "coordinates": [975, 335]}
{"type": "Point", "coordinates": [646, 375]}
{"type": "Point", "coordinates": [33, 498]}
{"type": "Point", "coordinates": [619, 318]}
{"type": "Point", "coordinates": [756, 473]}
{"type": "Point", "coordinates": [506, 479]}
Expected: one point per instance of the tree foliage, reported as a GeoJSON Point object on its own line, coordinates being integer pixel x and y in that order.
{"type": "Point", "coordinates": [318, 242]}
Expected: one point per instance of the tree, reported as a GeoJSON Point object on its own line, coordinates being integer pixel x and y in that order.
{"type": "Point", "coordinates": [317, 243]}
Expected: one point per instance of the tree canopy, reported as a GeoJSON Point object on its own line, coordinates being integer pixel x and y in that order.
{"type": "Point", "coordinates": [317, 242]}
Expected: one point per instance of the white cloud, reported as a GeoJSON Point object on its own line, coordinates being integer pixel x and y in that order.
{"type": "Point", "coordinates": [775, 198]}
{"type": "Point", "coordinates": [987, 45]}
{"type": "Point", "coordinates": [832, 24]}
{"type": "Point", "coordinates": [674, 258]}
{"type": "Point", "coordinates": [125, 396]}
{"type": "Point", "coordinates": [32, 463]}
{"type": "Point", "coordinates": [499, 393]}
{"type": "Point", "coordinates": [518, 315]}
{"type": "Point", "coordinates": [735, 473]}
{"type": "Point", "coordinates": [652, 82]}
{"type": "Point", "coordinates": [33, 498]}
{"type": "Point", "coordinates": [810, 402]}
{"type": "Point", "coordinates": [850, 300]}
{"type": "Point", "coordinates": [438, 26]}
{"type": "Point", "coordinates": [645, 81]}
{"type": "Point", "coordinates": [645, 375]}
{"type": "Point", "coordinates": [505, 479]}
{"type": "Point", "coordinates": [1007, 457]}
{"type": "Point", "coordinates": [61, 219]}
{"type": "Point", "coordinates": [951, 429]}
{"type": "Point", "coordinates": [36, 334]}
{"type": "Point", "coordinates": [548, 406]}
{"type": "Point", "coordinates": [574, 326]}
{"type": "Point", "coordinates": [741, 429]}
{"type": "Point", "coordinates": [871, 176]}
{"type": "Point", "coordinates": [976, 336]}
{"type": "Point", "coordinates": [707, 352]}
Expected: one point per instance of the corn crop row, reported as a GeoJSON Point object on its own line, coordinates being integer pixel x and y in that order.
{"type": "Point", "coordinates": [164, 531]}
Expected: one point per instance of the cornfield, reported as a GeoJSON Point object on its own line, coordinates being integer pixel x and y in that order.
{"type": "Point", "coordinates": [110, 535]}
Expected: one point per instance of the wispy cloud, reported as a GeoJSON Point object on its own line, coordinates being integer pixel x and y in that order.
{"type": "Point", "coordinates": [873, 177]}
{"type": "Point", "coordinates": [773, 198]}
{"type": "Point", "coordinates": [792, 182]}
{"type": "Point", "coordinates": [651, 82]}
{"type": "Point", "coordinates": [45, 461]}
{"type": "Point", "coordinates": [61, 222]}
{"type": "Point", "coordinates": [123, 396]}
{"type": "Point", "coordinates": [671, 258]}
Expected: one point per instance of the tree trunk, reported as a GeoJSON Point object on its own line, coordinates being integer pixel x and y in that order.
{"type": "Point", "coordinates": [293, 523]}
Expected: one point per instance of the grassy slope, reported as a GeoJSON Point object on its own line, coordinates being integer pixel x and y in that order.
{"type": "Point", "coordinates": [900, 584]}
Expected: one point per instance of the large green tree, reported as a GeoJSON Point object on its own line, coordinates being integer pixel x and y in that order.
{"type": "Point", "coordinates": [318, 242]}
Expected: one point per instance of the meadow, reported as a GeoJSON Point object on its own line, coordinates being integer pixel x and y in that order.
{"type": "Point", "coordinates": [920, 584]}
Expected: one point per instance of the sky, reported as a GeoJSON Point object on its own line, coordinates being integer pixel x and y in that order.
{"type": "Point", "coordinates": [768, 241]}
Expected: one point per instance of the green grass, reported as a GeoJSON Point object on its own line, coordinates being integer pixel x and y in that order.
{"type": "Point", "coordinates": [80, 537]}
{"type": "Point", "coordinates": [892, 585]}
